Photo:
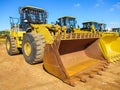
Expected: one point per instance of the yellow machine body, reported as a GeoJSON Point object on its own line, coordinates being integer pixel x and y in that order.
{"type": "Point", "coordinates": [108, 43]}
{"type": "Point", "coordinates": [49, 31]}
{"type": "Point", "coordinates": [109, 46]}
{"type": "Point", "coordinates": [42, 29]}
{"type": "Point", "coordinates": [18, 35]}
{"type": "Point", "coordinates": [75, 58]}
{"type": "Point", "coordinates": [72, 55]}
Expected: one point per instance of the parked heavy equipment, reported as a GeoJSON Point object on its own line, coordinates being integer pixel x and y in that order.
{"type": "Point", "coordinates": [116, 30]}
{"type": "Point", "coordinates": [72, 58]}
{"type": "Point", "coordinates": [31, 34]}
{"type": "Point", "coordinates": [93, 26]}
{"type": "Point", "coordinates": [69, 25]}
{"type": "Point", "coordinates": [69, 22]}
{"type": "Point", "coordinates": [95, 29]}
{"type": "Point", "coordinates": [109, 41]}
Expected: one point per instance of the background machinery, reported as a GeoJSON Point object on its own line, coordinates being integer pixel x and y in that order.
{"type": "Point", "coordinates": [69, 22]}
{"type": "Point", "coordinates": [116, 30]}
{"type": "Point", "coordinates": [99, 27]}
{"type": "Point", "coordinates": [71, 58]}
{"type": "Point", "coordinates": [69, 25]}
{"type": "Point", "coordinates": [109, 41]}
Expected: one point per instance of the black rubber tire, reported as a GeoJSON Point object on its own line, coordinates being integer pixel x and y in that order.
{"type": "Point", "coordinates": [37, 43]}
{"type": "Point", "coordinates": [13, 47]}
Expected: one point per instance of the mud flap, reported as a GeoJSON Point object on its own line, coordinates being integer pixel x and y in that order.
{"type": "Point", "coordinates": [74, 59]}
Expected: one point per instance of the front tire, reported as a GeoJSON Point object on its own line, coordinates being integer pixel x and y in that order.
{"type": "Point", "coordinates": [33, 48]}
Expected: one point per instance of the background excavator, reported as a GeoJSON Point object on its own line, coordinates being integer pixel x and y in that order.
{"type": "Point", "coordinates": [73, 58]}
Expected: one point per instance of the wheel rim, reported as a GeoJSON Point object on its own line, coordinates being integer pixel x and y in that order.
{"type": "Point", "coordinates": [8, 45]}
{"type": "Point", "coordinates": [27, 48]}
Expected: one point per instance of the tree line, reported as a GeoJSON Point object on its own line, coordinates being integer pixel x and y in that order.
{"type": "Point", "coordinates": [4, 33]}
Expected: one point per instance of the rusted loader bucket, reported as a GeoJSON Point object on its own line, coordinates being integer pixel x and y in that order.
{"type": "Point", "coordinates": [110, 47]}
{"type": "Point", "coordinates": [74, 59]}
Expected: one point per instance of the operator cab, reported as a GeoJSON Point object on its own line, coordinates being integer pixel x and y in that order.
{"type": "Point", "coordinates": [87, 25]}
{"type": "Point", "coordinates": [102, 27]}
{"type": "Point", "coordinates": [28, 15]}
{"type": "Point", "coordinates": [31, 15]}
{"type": "Point", "coordinates": [98, 26]}
{"type": "Point", "coordinates": [68, 21]}
{"type": "Point", "coordinates": [116, 30]}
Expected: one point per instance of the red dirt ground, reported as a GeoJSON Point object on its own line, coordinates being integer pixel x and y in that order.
{"type": "Point", "coordinates": [16, 74]}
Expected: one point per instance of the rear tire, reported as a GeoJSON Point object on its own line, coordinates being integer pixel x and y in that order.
{"type": "Point", "coordinates": [11, 46]}
{"type": "Point", "coordinates": [33, 48]}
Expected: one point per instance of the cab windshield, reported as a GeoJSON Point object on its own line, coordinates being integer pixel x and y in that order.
{"type": "Point", "coordinates": [71, 22]}
{"type": "Point", "coordinates": [35, 16]}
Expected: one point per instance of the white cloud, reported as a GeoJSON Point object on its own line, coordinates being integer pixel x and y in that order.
{"type": "Point", "coordinates": [115, 7]}
{"type": "Point", "coordinates": [99, 3]}
{"type": "Point", "coordinates": [77, 5]}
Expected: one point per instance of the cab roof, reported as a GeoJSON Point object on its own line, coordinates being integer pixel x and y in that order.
{"type": "Point", "coordinates": [89, 22]}
{"type": "Point", "coordinates": [30, 7]}
{"type": "Point", "coordinates": [92, 22]}
{"type": "Point", "coordinates": [66, 17]}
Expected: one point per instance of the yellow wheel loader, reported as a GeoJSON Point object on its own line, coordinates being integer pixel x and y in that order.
{"type": "Point", "coordinates": [76, 57]}
{"type": "Point", "coordinates": [69, 22]}
{"type": "Point", "coordinates": [109, 41]}
{"type": "Point", "coordinates": [31, 34]}
{"type": "Point", "coordinates": [116, 30]}
{"type": "Point", "coordinates": [69, 26]}
{"type": "Point", "coordinates": [94, 27]}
